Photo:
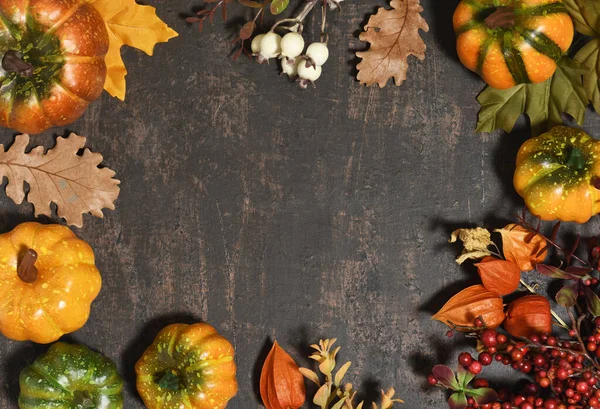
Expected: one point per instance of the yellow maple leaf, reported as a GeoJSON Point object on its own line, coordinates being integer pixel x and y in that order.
{"type": "Point", "coordinates": [129, 23]}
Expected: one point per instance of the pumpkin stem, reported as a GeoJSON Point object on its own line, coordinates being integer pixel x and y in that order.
{"type": "Point", "coordinates": [576, 159]}
{"type": "Point", "coordinates": [13, 62]}
{"type": "Point", "coordinates": [503, 17]}
{"type": "Point", "coordinates": [26, 269]}
{"type": "Point", "coordinates": [170, 381]}
{"type": "Point", "coordinates": [83, 399]}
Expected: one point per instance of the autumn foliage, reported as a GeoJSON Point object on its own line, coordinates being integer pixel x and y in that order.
{"type": "Point", "coordinates": [281, 382]}
{"type": "Point", "coordinates": [523, 246]}
{"type": "Point", "coordinates": [472, 302]}
{"type": "Point", "coordinates": [499, 276]}
{"type": "Point", "coordinates": [529, 315]}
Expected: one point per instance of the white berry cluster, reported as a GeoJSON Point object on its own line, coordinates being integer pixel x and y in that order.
{"type": "Point", "coordinates": [305, 67]}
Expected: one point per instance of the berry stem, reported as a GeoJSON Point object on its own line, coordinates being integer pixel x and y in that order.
{"type": "Point", "coordinates": [524, 223]}
{"type": "Point", "coordinates": [576, 323]}
{"type": "Point", "coordinates": [298, 20]}
{"type": "Point", "coordinates": [559, 320]}
{"type": "Point", "coordinates": [324, 35]}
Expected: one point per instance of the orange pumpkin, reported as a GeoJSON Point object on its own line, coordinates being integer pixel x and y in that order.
{"type": "Point", "coordinates": [48, 281]}
{"type": "Point", "coordinates": [187, 366]}
{"type": "Point", "coordinates": [52, 58]}
{"type": "Point", "coordinates": [510, 42]}
{"type": "Point", "coordinates": [558, 175]}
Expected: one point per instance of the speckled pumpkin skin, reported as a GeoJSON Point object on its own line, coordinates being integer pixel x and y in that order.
{"type": "Point", "coordinates": [58, 302]}
{"type": "Point", "coordinates": [553, 186]}
{"type": "Point", "coordinates": [71, 377]}
{"type": "Point", "coordinates": [200, 357]}
{"type": "Point", "coordinates": [526, 53]}
{"type": "Point", "coordinates": [66, 42]}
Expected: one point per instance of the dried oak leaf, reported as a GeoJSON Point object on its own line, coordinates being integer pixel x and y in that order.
{"type": "Point", "coordinates": [393, 35]}
{"type": "Point", "coordinates": [132, 24]}
{"type": "Point", "coordinates": [75, 183]}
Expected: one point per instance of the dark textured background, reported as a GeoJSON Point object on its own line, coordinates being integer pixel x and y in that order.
{"type": "Point", "coordinates": [271, 212]}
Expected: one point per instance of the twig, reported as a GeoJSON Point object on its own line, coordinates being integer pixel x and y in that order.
{"type": "Point", "coordinates": [554, 314]}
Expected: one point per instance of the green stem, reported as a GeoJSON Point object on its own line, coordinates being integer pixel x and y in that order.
{"type": "Point", "coordinates": [576, 160]}
{"type": "Point", "coordinates": [83, 399]}
{"type": "Point", "coordinates": [554, 314]}
{"type": "Point", "coordinates": [170, 381]}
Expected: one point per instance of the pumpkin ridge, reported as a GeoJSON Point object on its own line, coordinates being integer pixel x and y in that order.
{"type": "Point", "coordinates": [542, 43]}
{"type": "Point", "coordinates": [63, 20]}
{"type": "Point", "coordinates": [39, 370]}
{"type": "Point", "coordinates": [514, 63]}
{"type": "Point", "coordinates": [483, 52]}
{"type": "Point", "coordinates": [49, 317]}
{"type": "Point", "coordinates": [544, 9]}
{"type": "Point", "coordinates": [468, 26]}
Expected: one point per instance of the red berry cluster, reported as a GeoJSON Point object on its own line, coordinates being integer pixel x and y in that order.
{"type": "Point", "coordinates": [566, 373]}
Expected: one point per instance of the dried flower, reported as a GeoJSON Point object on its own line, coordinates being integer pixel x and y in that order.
{"type": "Point", "coordinates": [529, 315]}
{"type": "Point", "coordinates": [499, 276]}
{"type": "Point", "coordinates": [524, 247]}
{"type": "Point", "coordinates": [281, 383]}
{"type": "Point", "coordinates": [475, 243]}
{"type": "Point", "coordinates": [472, 302]}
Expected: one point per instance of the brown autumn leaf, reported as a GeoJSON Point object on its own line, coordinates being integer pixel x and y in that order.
{"type": "Point", "coordinates": [472, 302]}
{"type": "Point", "coordinates": [499, 276]}
{"type": "Point", "coordinates": [74, 183]}
{"type": "Point", "coordinates": [393, 36]}
{"type": "Point", "coordinates": [281, 382]}
{"type": "Point", "coordinates": [522, 246]}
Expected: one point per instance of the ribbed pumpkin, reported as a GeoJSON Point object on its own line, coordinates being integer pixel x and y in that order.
{"type": "Point", "coordinates": [510, 42]}
{"type": "Point", "coordinates": [52, 62]}
{"type": "Point", "coordinates": [48, 281]}
{"type": "Point", "coordinates": [71, 377]}
{"type": "Point", "coordinates": [187, 366]}
{"type": "Point", "coordinates": [558, 175]}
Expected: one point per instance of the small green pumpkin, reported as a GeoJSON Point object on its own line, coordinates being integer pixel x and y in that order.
{"type": "Point", "coordinates": [71, 377]}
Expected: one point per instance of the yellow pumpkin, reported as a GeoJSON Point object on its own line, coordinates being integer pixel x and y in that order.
{"type": "Point", "coordinates": [48, 281]}
{"type": "Point", "coordinates": [187, 366]}
{"type": "Point", "coordinates": [558, 175]}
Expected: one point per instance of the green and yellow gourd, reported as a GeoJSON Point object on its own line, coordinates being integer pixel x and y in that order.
{"type": "Point", "coordinates": [510, 42]}
{"type": "Point", "coordinates": [558, 175]}
{"type": "Point", "coordinates": [71, 377]}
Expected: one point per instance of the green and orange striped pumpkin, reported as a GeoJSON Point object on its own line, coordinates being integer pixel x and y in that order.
{"type": "Point", "coordinates": [510, 42]}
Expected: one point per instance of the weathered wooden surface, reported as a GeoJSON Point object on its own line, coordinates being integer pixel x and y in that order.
{"type": "Point", "coordinates": [275, 213]}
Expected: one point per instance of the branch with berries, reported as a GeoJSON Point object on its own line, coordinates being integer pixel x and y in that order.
{"type": "Point", "coordinates": [393, 35]}
{"type": "Point", "coordinates": [562, 365]}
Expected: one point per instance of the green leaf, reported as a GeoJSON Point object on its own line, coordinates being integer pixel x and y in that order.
{"type": "Point", "coordinates": [585, 15]}
{"type": "Point", "coordinates": [589, 56]}
{"type": "Point", "coordinates": [567, 296]}
{"type": "Point", "coordinates": [593, 301]}
{"type": "Point", "coordinates": [543, 103]}
{"type": "Point", "coordinates": [279, 6]}
{"type": "Point", "coordinates": [458, 400]}
{"type": "Point", "coordinates": [464, 377]}
{"type": "Point", "coordinates": [555, 272]}
{"type": "Point", "coordinates": [445, 376]}
{"type": "Point", "coordinates": [482, 396]}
